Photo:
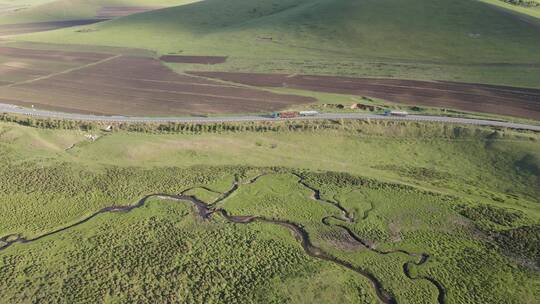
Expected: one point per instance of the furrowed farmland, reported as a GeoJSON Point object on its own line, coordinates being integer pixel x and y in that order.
{"type": "Point", "coordinates": [121, 83]}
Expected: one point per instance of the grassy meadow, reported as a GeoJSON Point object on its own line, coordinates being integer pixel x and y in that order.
{"type": "Point", "coordinates": [422, 212]}
{"type": "Point", "coordinates": [466, 196]}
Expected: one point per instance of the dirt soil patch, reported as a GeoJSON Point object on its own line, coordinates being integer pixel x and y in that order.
{"type": "Point", "coordinates": [520, 102]}
{"type": "Point", "coordinates": [24, 28]}
{"type": "Point", "coordinates": [80, 57]}
{"type": "Point", "coordinates": [193, 59]}
{"type": "Point", "coordinates": [142, 86]}
{"type": "Point", "coordinates": [21, 64]}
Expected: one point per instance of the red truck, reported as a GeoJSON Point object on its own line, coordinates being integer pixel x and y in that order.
{"type": "Point", "coordinates": [290, 114]}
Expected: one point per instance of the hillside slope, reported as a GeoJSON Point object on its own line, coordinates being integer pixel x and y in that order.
{"type": "Point", "coordinates": [440, 39]}
{"type": "Point", "coordinates": [26, 11]}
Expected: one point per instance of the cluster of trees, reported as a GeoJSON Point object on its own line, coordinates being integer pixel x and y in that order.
{"type": "Point", "coordinates": [497, 215]}
{"type": "Point", "coordinates": [522, 242]}
{"type": "Point", "coordinates": [173, 127]}
{"type": "Point", "coordinates": [223, 127]}
{"type": "Point", "coordinates": [48, 123]}
{"type": "Point", "coordinates": [364, 127]}
{"type": "Point", "coordinates": [524, 3]}
{"type": "Point", "coordinates": [326, 181]}
{"type": "Point", "coordinates": [419, 173]}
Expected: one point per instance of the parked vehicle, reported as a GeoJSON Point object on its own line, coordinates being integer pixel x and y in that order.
{"type": "Point", "coordinates": [395, 113]}
{"type": "Point", "coordinates": [293, 114]}
{"type": "Point", "coordinates": [288, 114]}
{"type": "Point", "coordinates": [309, 113]}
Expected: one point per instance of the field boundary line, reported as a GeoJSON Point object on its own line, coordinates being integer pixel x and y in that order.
{"type": "Point", "coordinates": [64, 71]}
{"type": "Point", "coordinates": [161, 81]}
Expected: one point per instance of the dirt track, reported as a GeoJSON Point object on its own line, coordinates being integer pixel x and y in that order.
{"type": "Point", "coordinates": [193, 59]}
{"type": "Point", "coordinates": [502, 100]}
{"type": "Point", "coordinates": [18, 64]}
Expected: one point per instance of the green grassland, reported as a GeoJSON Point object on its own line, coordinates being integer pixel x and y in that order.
{"type": "Point", "coordinates": [466, 196]}
{"type": "Point", "coordinates": [416, 205]}
{"type": "Point", "coordinates": [462, 40]}
{"type": "Point", "coordinates": [161, 253]}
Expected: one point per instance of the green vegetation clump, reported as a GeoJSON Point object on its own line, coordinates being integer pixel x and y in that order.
{"type": "Point", "coordinates": [418, 173]}
{"type": "Point", "coordinates": [497, 215]}
{"type": "Point", "coordinates": [180, 127]}
{"type": "Point", "coordinates": [522, 242]}
{"type": "Point", "coordinates": [524, 3]}
{"type": "Point", "coordinates": [48, 123]}
{"type": "Point", "coordinates": [336, 179]}
{"type": "Point", "coordinates": [367, 127]}
{"type": "Point", "coordinates": [55, 195]}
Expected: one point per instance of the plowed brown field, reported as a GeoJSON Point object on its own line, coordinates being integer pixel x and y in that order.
{"type": "Point", "coordinates": [521, 102]}
{"type": "Point", "coordinates": [129, 85]}
{"type": "Point", "coordinates": [81, 57]}
{"type": "Point", "coordinates": [105, 83]}
{"type": "Point", "coordinates": [18, 64]}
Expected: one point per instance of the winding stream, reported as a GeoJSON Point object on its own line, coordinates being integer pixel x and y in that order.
{"type": "Point", "coordinates": [205, 211]}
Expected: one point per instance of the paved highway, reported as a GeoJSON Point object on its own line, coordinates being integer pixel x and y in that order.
{"type": "Point", "coordinates": [6, 108]}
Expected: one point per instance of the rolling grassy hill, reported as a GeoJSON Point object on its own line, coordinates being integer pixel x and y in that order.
{"type": "Point", "coordinates": [459, 40]}
{"type": "Point", "coordinates": [25, 11]}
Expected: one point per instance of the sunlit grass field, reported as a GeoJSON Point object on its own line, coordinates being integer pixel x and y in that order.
{"type": "Point", "coordinates": [29, 11]}
{"type": "Point", "coordinates": [466, 196]}
{"type": "Point", "coordinates": [421, 212]}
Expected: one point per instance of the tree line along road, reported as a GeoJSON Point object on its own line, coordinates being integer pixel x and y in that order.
{"type": "Point", "coordinates": [6, 108]}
